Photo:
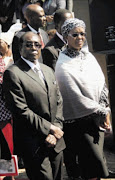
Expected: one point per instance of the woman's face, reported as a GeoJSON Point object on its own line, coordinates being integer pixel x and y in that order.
{"type": "Point", "coordinates": [3, 47]}
{"type": "Point", "coordinates": [76, 38]}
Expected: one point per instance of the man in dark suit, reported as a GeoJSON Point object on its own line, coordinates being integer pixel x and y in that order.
{"type": "Point", "coordinates": [33, 97]}
{"type": "Point", "coordinates": [7, 10]}
{"type": "Point", "coordinates": [35, 17]}
{"type": "Point", "coordinates": [53, 47]}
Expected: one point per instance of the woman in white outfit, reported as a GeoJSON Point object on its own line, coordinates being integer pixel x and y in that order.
{"type": "Point", "coordinates": [86, 107]}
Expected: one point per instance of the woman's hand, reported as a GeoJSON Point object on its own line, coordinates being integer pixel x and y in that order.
{"type": "Point", "coordinates": [107, 124]}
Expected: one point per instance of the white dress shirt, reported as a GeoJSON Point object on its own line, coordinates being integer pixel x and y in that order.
{"type": "Point", "coordinates": [35, 66]}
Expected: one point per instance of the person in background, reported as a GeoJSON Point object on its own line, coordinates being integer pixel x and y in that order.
{"type": "Point", "coordinates": [51, 33]}
{"type": "Point", "coordinates": [7, 10]}
{"type": "Point", "coordinates": [50, 6]}
{"type": "Point", "coordinates": [33, 97]}
{"type": "Point", "coordinates": [69, 5]}
{"type": "Point", "coordinates": [5, 49]}
{"type": "Point", "coordinates": [35, 17]}
{"type": "Point", "coordinates": [21, 7]}
{"type": "Point", "coordinates": [6, 121]}
{"type": "Point", "coordinates": [53, 47]}
{"type": "Point", "coordinates": [85, 103]}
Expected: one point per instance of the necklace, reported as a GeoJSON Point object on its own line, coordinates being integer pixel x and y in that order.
{"type": "Point", "coordinates": [72, 53]}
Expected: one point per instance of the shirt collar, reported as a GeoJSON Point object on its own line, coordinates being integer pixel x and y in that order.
{"type": "Point", "coordinates": [32, 29]}
{"type": "Point", "coordinates": [32, 65]}
{"type": "Point", "coordinates": [60, 36]}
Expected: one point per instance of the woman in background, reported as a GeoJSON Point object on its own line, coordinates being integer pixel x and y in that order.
{"type": "Point", "coordinates": [86, 107]}
{"type": "Point", "coordinates": [5, 115]}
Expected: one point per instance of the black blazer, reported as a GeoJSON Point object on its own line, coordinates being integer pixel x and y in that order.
{"type": "Point", "coordinates": [15, 43]}
{"type": "Point", "coordinates": [51, 51]}
{"type": "Point", "coordinates": [34, 107]}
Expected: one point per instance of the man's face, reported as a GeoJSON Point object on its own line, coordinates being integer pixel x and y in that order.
{"type": "Point", "coordinates": [31, 47]}
{"type": "Point", "coordinates": [38, 19]}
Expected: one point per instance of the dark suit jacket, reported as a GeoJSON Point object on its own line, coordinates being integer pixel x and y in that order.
{"type": "Point", "coordinates": [34, 107]}
{"type": "Point", "coordinates": [4, 148]}
{"type": "Point", "coordinates": [15, 43]}
{"type": "Point", "coordinates": [7, 9]}
{"type": "Point", "coordinates": [51, 51]}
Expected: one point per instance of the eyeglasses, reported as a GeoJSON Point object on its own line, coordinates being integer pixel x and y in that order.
{"type": "Point", "coordinates": [30, 45]}
{"type": "Point", "coordinates": [77, 34]}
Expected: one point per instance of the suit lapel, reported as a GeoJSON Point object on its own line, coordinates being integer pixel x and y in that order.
{"type": "Point", "coordinates": [26, 69]}
{"type": "Point", "coordinates": [47, 78]}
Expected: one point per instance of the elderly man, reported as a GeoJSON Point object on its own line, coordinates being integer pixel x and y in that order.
{"type": "Point", "coordinates": [33, 97]}
{"type": "Point", "coordinates": [35, 17]}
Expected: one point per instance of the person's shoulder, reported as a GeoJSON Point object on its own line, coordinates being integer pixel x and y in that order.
{"type": "Point", "coordinates": [92, 56]}
{"type": "Point", "coordinates": [52, 45]}
{"type": "Point", "coordinates": [15, 65]}
{"type": "Point", "coordinates": [21, 32]}
{"type": "Point", "coordinates": [51, 42]}
{"type": "Point", "coordinates": [46, 68]}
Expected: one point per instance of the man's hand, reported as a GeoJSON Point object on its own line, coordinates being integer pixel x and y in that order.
{"type": "Point", "coordinates": [51, 140]}
{"type": "Point", "coordinates": [49, 18]}
{"type": "Point", "coordinates": [3, 19]}
{"type": "Point", "coordinates": [56, 131]}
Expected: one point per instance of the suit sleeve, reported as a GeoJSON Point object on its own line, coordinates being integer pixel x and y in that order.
{"type": "Point", "coordinates": [16, 101]}
{"type": "Point", "coordinates": [59, 114]}
{"type": "Point", "coordinates": [58, 120]}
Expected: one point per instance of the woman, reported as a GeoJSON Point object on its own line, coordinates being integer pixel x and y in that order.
{"type": "Point", "coordinates": [86, 107]}
{"type": "Point", "coordinates": [5, 115]}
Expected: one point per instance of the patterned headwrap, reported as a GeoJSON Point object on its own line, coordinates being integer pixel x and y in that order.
{"type": "Point", "coordinates": [71, 23]}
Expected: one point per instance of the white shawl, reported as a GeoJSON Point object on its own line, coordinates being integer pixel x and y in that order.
{"type": "Point", "coordinates": [81, 81]}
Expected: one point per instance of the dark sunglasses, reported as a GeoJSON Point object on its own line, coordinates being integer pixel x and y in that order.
{"type": "Point", "coordinates": [30, 45]}
{"type": "Point", "coordinates": [77, 34]}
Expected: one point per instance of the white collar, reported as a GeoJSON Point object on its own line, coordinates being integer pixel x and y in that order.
{"type": "Point", "coordinates": [60, 36]}
{"type": "Point", "coordinates": [31, 64]}
{"type": "Point", "coordinates": [32, 29]}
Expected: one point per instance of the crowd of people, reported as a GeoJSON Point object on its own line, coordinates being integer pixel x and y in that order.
{"type": "Point", "coordinates": [53, 95]}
